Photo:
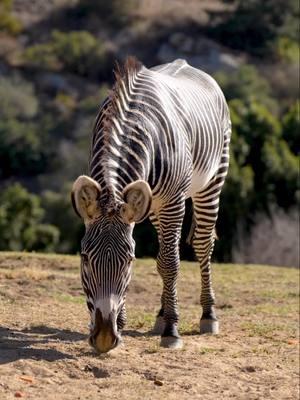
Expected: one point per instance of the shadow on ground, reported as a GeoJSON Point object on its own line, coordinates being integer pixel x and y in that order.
{"type": "Point", "coordinates": [21, 344]}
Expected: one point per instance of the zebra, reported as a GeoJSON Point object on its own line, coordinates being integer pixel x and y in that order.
{"type": "Point", "coordinates": [160, 137]}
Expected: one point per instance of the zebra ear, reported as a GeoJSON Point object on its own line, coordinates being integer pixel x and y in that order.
{"type": "Point", "coordinates": [85, 194]}
{"type": "Point", "coordinates": [137, 198]}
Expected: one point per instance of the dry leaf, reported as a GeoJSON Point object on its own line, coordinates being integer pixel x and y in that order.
{"type": "Point", "coordinates": [27, 378]}
{"type": "Point", "coordinates": [292, 341]}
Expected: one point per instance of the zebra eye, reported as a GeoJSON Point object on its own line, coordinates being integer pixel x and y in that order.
{"type": "Point", "coordinates": [84, 259]}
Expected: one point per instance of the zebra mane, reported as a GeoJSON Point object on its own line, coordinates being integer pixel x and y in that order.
{"type": "Point", "coordinates": [131, 66]}
{"type": "Point", "coordinates": [122, 75]}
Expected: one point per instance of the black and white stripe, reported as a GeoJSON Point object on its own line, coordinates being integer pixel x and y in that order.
{"type": "Point", "coordinates": [170, 127]}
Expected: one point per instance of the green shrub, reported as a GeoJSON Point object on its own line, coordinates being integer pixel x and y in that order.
{"type": "Point", "coordinates": [23, 132]}
{"type": "Point", "coordinates": [41, 237]}
{"type": "Point", "coordinates": [291, 127]}
{"type": "Point", "coordinates": [287, 49]}
{"type": "Point", "coordinates": [248, 85]}
{"type": "Point", "coordinates": [42, 56]}
{"type": "Point", "coordinates": [78, 52]}
{"type": "Point", "coordinates": [255, 25]}
{"type": "Point", "coordinates": [263, 171]}
{"type": "Point", "coordinates": [8, 23]}
{"type": "Point", "coordinates": [21, 151]}
{"type": "Point", "coordinates": [59, 212]}
{"type": "Point", "coordinates": [91, 104]}
{"type": "Point", "coordinates": [20, 222]}
{"type": "Point", "coordinates": [65, 103]}
{"type": "Point", "coordinates": [17, 98]}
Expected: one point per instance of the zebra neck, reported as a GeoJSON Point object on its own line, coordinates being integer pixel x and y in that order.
{"type": "Point", "coordinates": [122, 145]}
{"type": "Point", "coordinates": [121, 159]}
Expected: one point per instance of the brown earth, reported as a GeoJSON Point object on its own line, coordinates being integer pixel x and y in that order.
{"type": "Point", "coordinates": [43, 329]}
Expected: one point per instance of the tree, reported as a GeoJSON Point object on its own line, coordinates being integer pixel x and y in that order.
{"type": "Point", "coordinates": [291, 127]}
{"type": "Point", "coordinates": [59, 212]}
{"type": "Point", "coordinates": [21, 226]}
{"type": "Point", "coordinates": [255, 25]}
{"type": "Point", "coordinates": [22, 138]}
{"type": "Point", "coordinates": [263, 171]}
{"type": "Point", "coordinates": [78, 52]}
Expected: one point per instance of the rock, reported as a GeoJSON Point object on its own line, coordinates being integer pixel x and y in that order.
{"type": "Point", "coordinates": [182, 42]}
{"type": "Point", "coordinates": [199, 52]}
{"type": "Point", "coordinates": [187, 45]}
{"type": "Point", "coordinates": [19, 394]}
{"type": "Point", "coordinates": [249, 368]}
{"type": "Point", "coordinates": [229, 61]}
{"type": "Point", "coordinates": [54, 83]}
{"type": "Point", "coordinates": [88, 368]}
{"type": "Point", "coordinates": [176, 39]}
{"type": "Point", "coordinates": [167, 53]}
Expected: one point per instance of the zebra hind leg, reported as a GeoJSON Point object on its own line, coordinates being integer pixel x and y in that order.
{"type": "Point", "coordinates": [206, 207]}
{"type": "Point", "coordinates": [203, 243]}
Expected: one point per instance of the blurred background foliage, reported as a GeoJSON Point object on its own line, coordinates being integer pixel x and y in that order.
{"type": "Point", "coordinates": [56, 68]}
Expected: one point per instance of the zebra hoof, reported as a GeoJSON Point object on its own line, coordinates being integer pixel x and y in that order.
{"type": "Point", "coordinates": [159, 326]}
{"type": "Point", "coordinates": [171, 342]}
{"type": "Point", "coordinates": [209, 326]}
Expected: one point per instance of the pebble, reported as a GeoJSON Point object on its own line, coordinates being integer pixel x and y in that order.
{"type": "Point", "coordinates": [19, 394]}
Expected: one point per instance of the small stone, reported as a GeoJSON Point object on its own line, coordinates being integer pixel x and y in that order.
{"type": "Point", "coordinates": [292, 341]}
{"type": "Point", "coordinates": [158, 382]}
{"type": "Point", "coordinates": [249, 368]}
{"type": "Point", "coordinates": [19, 394]}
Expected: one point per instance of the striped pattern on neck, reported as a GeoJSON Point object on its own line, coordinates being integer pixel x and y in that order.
{"type": "Point", "coordinates": [116, 140]}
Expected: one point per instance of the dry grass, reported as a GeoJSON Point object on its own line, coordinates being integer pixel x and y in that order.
{"type": "Point", "coordinates": [44, 325]}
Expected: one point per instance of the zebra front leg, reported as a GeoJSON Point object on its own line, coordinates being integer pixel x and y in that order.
{"type": "Point", "coordinates": [170, 223]}
{"type": "Point", "coordinates": [122, 318]}
{"type": "Point", "coordinates": [159, 324]}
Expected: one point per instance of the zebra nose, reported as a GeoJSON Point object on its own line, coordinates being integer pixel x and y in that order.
{"type": "Point", "coordinates": [104, 336]}
{"type": "Point", "coordinates": [105, 341]}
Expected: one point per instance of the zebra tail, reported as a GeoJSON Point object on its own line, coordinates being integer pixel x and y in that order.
{"type": "Point", "coordinates": [190, 236]}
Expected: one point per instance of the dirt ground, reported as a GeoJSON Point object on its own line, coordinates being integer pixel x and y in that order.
{"type": "Point", "coordinates": [44, 353]}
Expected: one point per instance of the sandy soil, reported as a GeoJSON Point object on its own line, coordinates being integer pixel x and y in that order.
{"type": "Point", "coordinates": [44, 353]}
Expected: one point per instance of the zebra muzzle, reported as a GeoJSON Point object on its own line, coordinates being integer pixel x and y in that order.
{"type": "Point", "coordinates": [104, 337]}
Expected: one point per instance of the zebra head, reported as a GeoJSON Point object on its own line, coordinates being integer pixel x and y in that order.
{"type": "Point", "coordinates": [107, 251]}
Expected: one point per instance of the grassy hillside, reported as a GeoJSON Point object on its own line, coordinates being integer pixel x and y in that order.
{"type": "Point", "coordinates": [43, 331]}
